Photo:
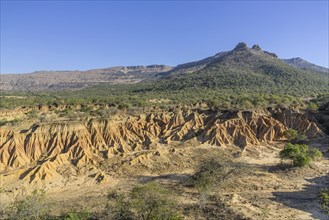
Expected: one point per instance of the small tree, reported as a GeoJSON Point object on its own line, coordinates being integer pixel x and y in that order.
{"type": "Point", "coordinates": [300, 154]}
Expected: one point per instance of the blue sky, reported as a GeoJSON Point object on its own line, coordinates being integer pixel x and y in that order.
{"type": "Point", "coordinates": [81, 35]}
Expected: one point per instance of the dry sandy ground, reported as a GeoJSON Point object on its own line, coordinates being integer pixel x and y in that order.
{"type": "Point", "coordinates": [271, 190]}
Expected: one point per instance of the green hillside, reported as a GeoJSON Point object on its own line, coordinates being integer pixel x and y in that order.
{"type": "Point", "coordinates": [246, 69]}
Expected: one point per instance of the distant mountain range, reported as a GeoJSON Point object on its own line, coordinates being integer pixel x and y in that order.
{"type": "Point", "coordinates": [59, 80]}
{"type": "Point", "coordinates": [239, 68]}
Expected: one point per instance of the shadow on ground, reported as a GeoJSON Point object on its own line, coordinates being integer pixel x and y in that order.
{"type": "Point", "coordinates": [177, 179]}
{"type": "Point", "coordinates": [306, 200]}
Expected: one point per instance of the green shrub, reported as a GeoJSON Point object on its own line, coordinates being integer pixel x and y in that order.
{"type": "Point", "coordinates": [312, 106]}
{"type": "Point", "coordinates": [3, 122]}
{"type": "Point", "coordinates": [290, 134]}
{"type": "Point", "coordinates": [294, 136]}
{"type": "Point", "coordinates": [324, 195]}
{"type": "Point", "coordinates": [124, 106]}
{"type": "Point", "coordinates": [300, 154]}
{"type": "Point", "coordinates": [77, 215]}
{"type": "Point", "coordinates": [32, 114]}
{"type": "Point", "coordinates": [11, 122]}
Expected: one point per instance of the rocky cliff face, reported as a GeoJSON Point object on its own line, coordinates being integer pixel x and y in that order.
{"type": "Point", "coordinates": [44, 149]}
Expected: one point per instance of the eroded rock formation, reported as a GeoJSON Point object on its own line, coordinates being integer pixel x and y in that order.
{"type": "Point", "coordinates": [46, 147]}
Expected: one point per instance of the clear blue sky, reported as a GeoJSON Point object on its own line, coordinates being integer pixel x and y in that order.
{"type": "Point", "coordinates": [80, 35]}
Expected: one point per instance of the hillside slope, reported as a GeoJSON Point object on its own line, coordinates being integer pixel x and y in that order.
{"type": "Point", "coordinates": [303, 64]}
{"type": "Point", "coordinates": [245, 68]}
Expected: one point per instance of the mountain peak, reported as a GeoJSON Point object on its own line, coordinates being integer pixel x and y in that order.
{"type": "Point", "coordinates": [256, 47]}
{"type": "Point", "coordinates": [297, 60]}
{"type": "Point", "coordinates": [241, 46]}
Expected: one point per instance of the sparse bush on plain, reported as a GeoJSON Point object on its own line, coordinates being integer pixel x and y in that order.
{"type": "Point", "coordinates": [147, 202]}
{"type": "Point", "coordinates": [119, 206]}
{"type": "Point", "coordinates": [32, 207]}
{"type": "Point", "coordinates": [213, 172]}
{"type": "Point", "coordinates": [151, 201]}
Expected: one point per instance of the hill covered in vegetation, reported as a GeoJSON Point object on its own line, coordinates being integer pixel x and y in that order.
{"type": "Point", "coordinates": [244, 69]}
{"type": "Point", "coordinates": [303, 64]}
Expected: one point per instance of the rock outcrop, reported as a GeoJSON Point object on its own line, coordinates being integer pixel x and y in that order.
{"type": "Point", "coordinates": [298, 121]}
